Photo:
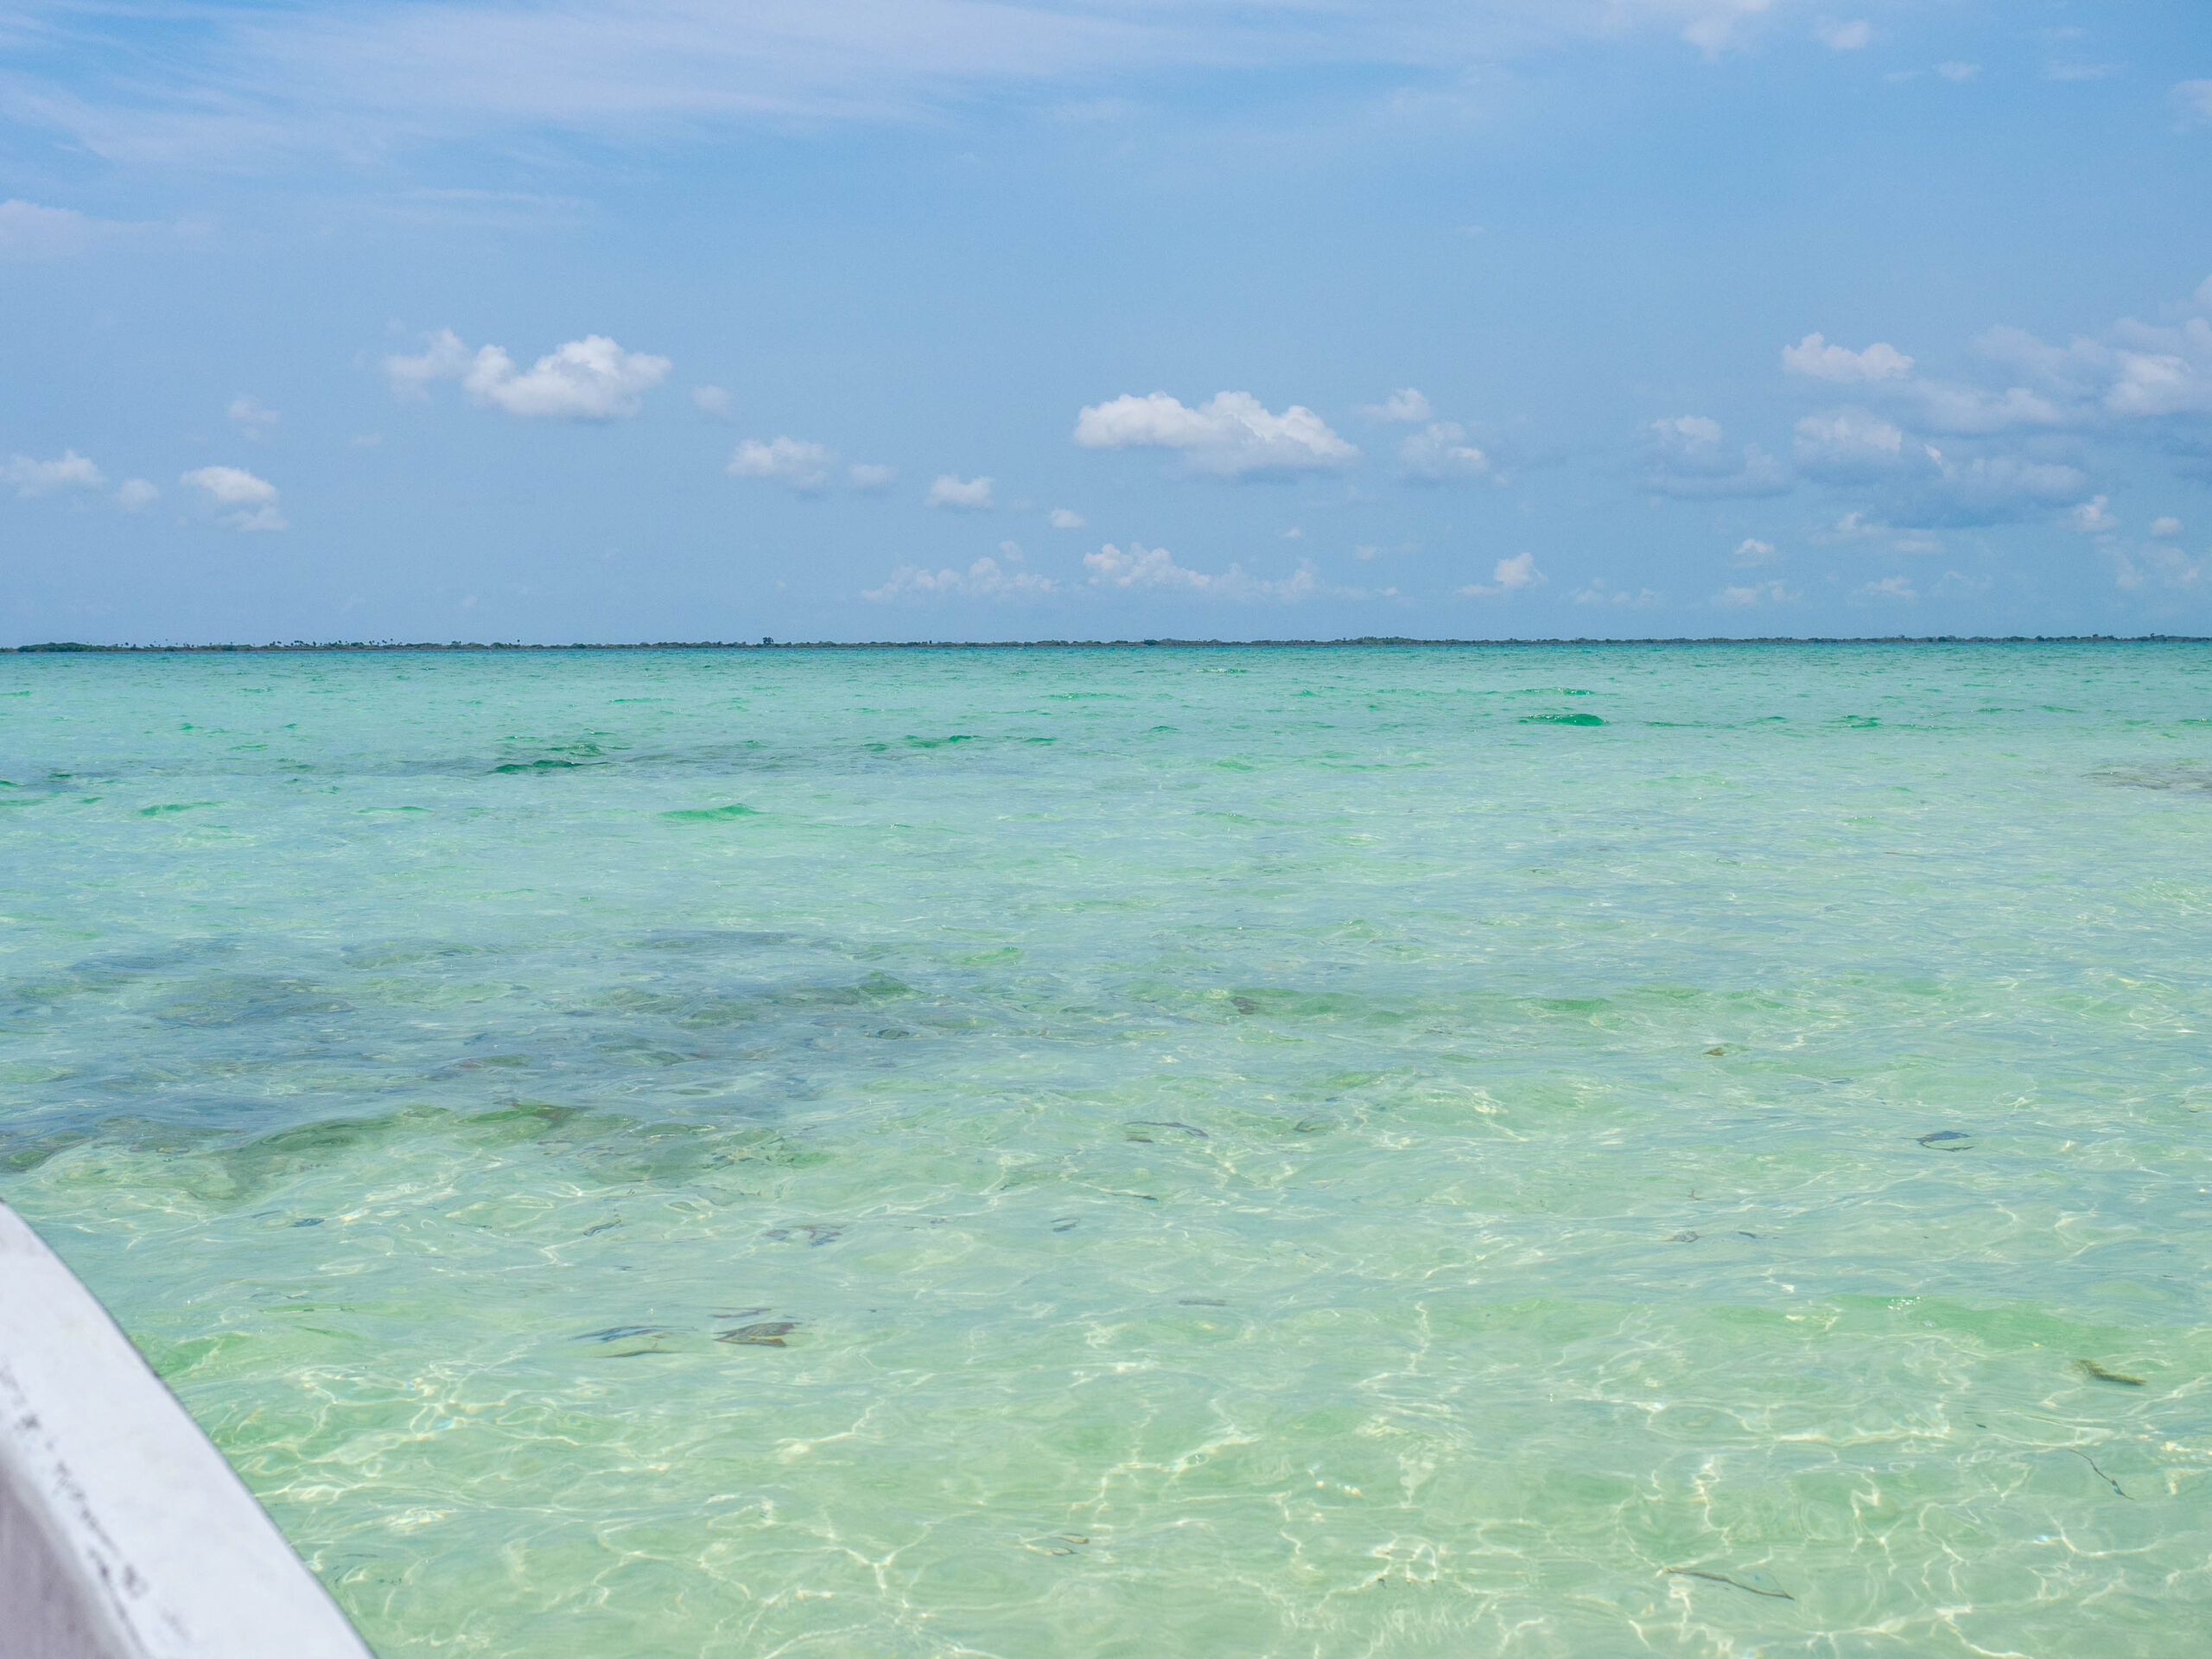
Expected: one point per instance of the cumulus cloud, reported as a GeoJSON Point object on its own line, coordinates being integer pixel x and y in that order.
{"type": "Point", "coordinates": [2154, 567]}
{"type": "Point", "coordinates": [71, 471]}
{"type": "Point", "coordinates": [1403, 405]}
{"type": "Point", "coordinates": [1919, 484]}
{"type": "Point", "coordinates": [136, 494]}
{"type": "Point", "coordinates": [711, 400]}
{"type": "Point", "coordinates": [1757, 592]}
{"type": "Point", "coordinates": [588, 379]}
{"type": "Point", "coordinates": [1843, 37]}
{"type": "Point", "coordinates": [2092, 519]}
{"type": "Point", "coordinates": [803, 466]}
{"type": "Point", "coordinates": [1751, 552]}
{"type": "Point", "coordinates": [254, 499]}
{"type": "Point", "coordinates": [1815, 357]}
{"type": "Point", "coordinates": [1849, 446]}
{"type": "Point", "coordinates": [1440, 452]}
{"type": "Point", "coordinates": [1601, 592]}
{"type": "Point", "coordinates": [1958, 73]}
{"type": "Point", "coordinates": [984, 579]}
{"type": "Point", "coordinates": [1507, 576]}
{"type": "Point", "coordinates": [1065, 518]}
{"type": "Point", "coordinates": [1232, 435]}
{"type": "Point", "coordinates": [1140, 566]}
{"type": "Point", "coordinates": [1889, 588]}
{"type": "Point", "coordinates": [2137, 371]}
{"type": "Point", "coordinates": [443, 357]}
{"type": "Point", "coordinates": [253, 421]}
{"type": "Point", "coordinates": [1689, 456]}
{"type": "Point", "coordinates": [1937, 406]}
{"type": "Point", "coordinates": [2165, 526]}
{"type": "Point", "coordinates": [962, 495]}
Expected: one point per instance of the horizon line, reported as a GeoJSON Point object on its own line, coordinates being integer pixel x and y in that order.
{"type": "Point", "coordinates": [69, 646]}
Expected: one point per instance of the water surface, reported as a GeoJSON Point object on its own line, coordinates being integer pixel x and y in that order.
{"type": "Point", "coordinates": [1567, 1151]}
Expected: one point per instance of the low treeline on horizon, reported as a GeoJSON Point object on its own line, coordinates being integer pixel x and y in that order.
{"type": "Point", "coordinates": [1110, 645]}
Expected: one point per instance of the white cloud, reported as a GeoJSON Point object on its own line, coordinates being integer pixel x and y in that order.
{"type": "Point", "coordinates": [2162, 370]}
{"type": "Point", "coordinates": [711, 400]}
{"type": "Point", "coordinates": [804, 467]}
{"type": "Point", "coordinates": [1957, 584]}
{"type": "Point", "coordinates": [962, 495]}
{"type": "Point", "coordinates": [2165, 526]}
{"type": "Point", "coordinates": [1687, 455]}
{"type": "Point", "coordinates": [71, 472]}
{"type": "Point", "coordinates": [2162, 567]}
{"type": "Point", "coordinates": [231, 486]}
{"type": "Point", "coordinates": [1065, 518]}
{"type": "Point", "coordinates": [1918, 483]}
{"type": "Point", "coordinates": [1958, 72]}
{"type": "Point", "coordinates": [1889, 588]}
{"type": "Point", "coordinates": [1598, 592]}
{"type": "Point", "coordinates": [1848, 445]}
{"type": "Point", "coordinates": [443, 359]}
{"type": "Point", "coordinates": [1947, 407]}
{"type": "Point", "coordinates": [1011, 551]}
{"type": "Point", "coordinates": [1440, 452]}
{"type": "Point", "coordinates": [2195, 98]}
{"type": "Point", "coordinates": [1751, 551]}
{"type": "Point", "coordinates": [984, 579]}
{"type": "Point", "coordinates": [2079, 70]}
{"type": "Point", "coordinates": [1403, 405]}
{"type": "Point", "coordinates": [1814, 356]}
{"type": "Point", "coordinates": [254, 422]}
{"type": "Point", "coordinates": [135, 495]}
{"type": "Point", "coordinates": [1143, 566]}
{"type": "Point", "coordinates": [588, 379]}
{"type": "Point", "coordinates": [1843, 37]}
{"type": "Point", "coordinates": [28, 232]}
{"type": "Point", "coordinates": [255, 498]}
{"type": "Point", "coordinates": [1232, 435]}
{"type": "Point", "coordinates": [2091, 518]}
{"type": "Point", "coordinates": [1506, 576]}
{"type": "Point", "coordinates": [1759, 592]}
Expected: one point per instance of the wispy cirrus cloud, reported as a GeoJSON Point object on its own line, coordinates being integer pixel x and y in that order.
{"type": "Point", "coordinates": [236, 84]}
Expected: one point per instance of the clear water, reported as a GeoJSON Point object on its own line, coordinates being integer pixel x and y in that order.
{"type": "Point", "coordinates": [1154, 1152]}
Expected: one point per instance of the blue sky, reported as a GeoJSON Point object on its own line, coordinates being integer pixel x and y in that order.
{"type": "Point", "coordinates": [930, 319]}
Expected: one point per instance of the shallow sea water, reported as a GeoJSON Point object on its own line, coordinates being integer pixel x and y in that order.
{"type": "Point", "coordinates": [1564, 1151]}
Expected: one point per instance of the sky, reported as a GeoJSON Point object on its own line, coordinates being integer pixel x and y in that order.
{"type": "Point", "coordinates": [637, 320]}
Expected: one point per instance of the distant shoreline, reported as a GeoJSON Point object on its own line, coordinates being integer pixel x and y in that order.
{"type": "Point", "coordinates": [67, 645]}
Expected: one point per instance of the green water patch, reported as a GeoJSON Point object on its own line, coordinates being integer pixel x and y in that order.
{"type": "Point", "coordinates": [1575, 719]}
{"type": "Point", "coordinates": [594, 1145]}
{"type": "Point", "coordinates": [728, 814]}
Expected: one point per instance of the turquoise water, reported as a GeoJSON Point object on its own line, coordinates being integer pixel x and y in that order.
{"type": "Point", "coordinates": [1557, 1150]}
